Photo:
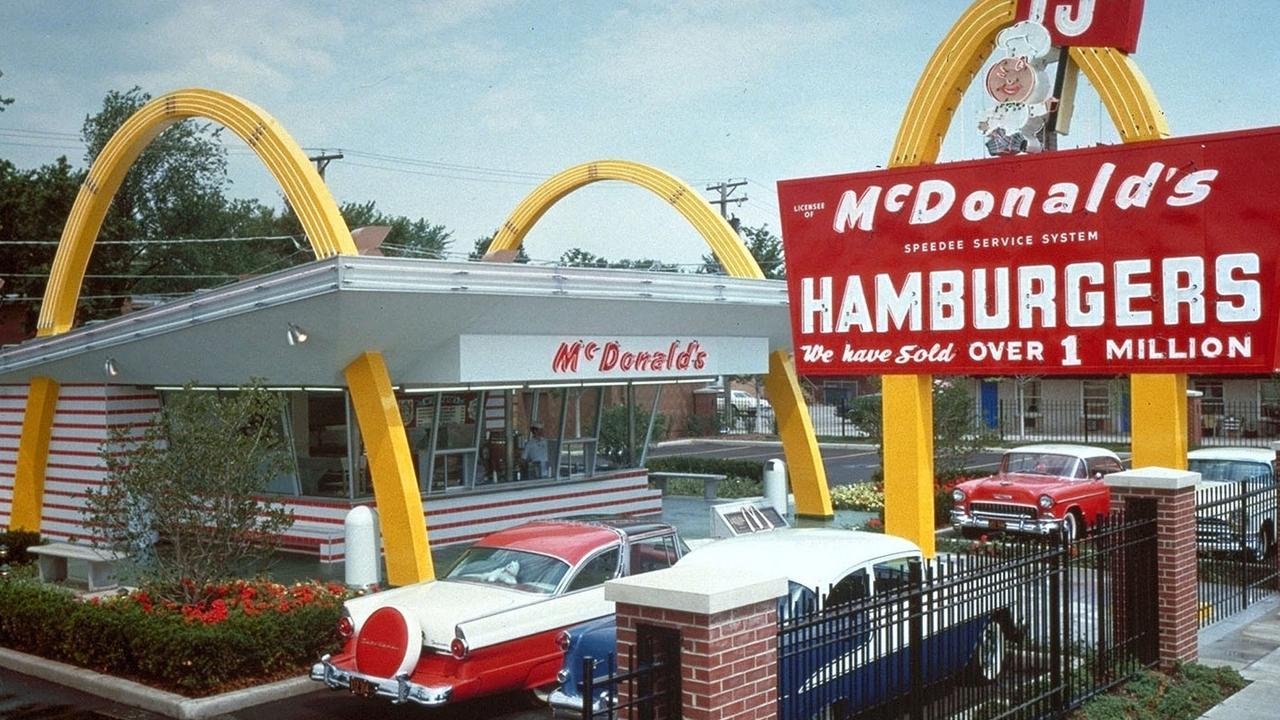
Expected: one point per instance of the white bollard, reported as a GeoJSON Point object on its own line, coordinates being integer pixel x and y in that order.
{"type": "Point", "coordinates": [775, 485]}
{"type": "Point", "coordinates": [361, 529]}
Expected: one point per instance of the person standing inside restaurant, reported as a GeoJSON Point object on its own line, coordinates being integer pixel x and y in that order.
{"type": "Point", "coordinates": [535, 452]}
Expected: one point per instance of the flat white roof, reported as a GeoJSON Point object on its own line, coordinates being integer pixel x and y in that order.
{"type": "Point", "coordinates": [415, 312]}
{"type": "Point", "coordinates": [812, 557]}
{"type": "Point", "coordinates": [1247, 454]}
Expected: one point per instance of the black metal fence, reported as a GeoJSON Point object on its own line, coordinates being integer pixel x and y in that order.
{"type": "Point", "coordinates": [648, 690]}
{"type": "Point", "coordinates": [1030, 634]}
{"type": "Point", "coordinates": [1236, 556]}
{"type": "Point", "coordinates": [1098, 422]}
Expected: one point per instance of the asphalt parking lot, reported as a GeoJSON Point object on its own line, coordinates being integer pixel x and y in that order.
{"type": "Point", "coordinates": [846, 464]}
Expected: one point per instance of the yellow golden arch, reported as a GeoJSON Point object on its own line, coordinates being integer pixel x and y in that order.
{"type": "Point", "coordinates": [795, 427]}
{"type": "Point", "coordinates": [1159, 417]}
{"type": "Point", "coordinates": [395, 485]}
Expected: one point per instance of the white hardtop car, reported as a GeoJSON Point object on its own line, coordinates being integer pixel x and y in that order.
{"type": "Point", "coordinates": [1224, 464]}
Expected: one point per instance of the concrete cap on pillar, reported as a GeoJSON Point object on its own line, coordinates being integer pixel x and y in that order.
{"type": "Point", "coordinates": [695, 590]}
{"type": "Point", "coordinates": [1153, 478]}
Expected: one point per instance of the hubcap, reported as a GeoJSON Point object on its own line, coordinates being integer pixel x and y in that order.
{"type": "Point", "coordinates": [992, 651]}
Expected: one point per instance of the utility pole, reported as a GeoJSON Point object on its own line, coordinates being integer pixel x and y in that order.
{"type": "Point", "coordinates": [323, 159]}
{"type": "Point", "coordinates": [725, 189]}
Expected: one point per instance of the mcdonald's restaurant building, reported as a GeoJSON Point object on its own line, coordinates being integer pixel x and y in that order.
{"type": "Point", "coordinates": [478, 353]}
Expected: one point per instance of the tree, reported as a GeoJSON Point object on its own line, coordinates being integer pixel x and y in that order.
{"type": "Point", "coordinates": [182, 495]}
{"type": "Point", "coordinates": [577, 257]}
{"type": "Point", "coordinates": [763, 245]}
{"type": "Point", "coordinates": [34, 205]}
{"type": "Point", "coordinates": [957, 433]}
{"type": "Point", "coordinates": [408, 238]}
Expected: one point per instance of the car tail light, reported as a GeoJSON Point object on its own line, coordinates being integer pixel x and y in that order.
{"type": "Point", "coordinates": [346, 628]}
{"type": "Point", "coordinates": [458, 648]}
{"type": "Point", "coordinates": [564, 641]}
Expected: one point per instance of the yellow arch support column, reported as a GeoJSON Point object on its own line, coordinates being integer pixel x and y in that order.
{"type": "Point", "coordinates": [799, 443]}
{"type": "Point", "coordinates": [395, 485]}
{"type": "Point", "coordinates": [804, 461]}
{"type": "Point", "coordinates": [908, 458]}
{"type": "Point", "coordinates": [33, 455]}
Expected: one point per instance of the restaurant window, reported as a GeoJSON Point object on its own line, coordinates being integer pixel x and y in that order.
{"type": "Point", "coordinates": [1269, 405]}
{"type": "Point", "coordinates": [1029, 392]}
{"type": "Point", "coordinates": [445, 432]}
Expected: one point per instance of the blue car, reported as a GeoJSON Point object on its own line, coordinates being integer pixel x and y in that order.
{"type": "Point", "coordinates": [859, 661]}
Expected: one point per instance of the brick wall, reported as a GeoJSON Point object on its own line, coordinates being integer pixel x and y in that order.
{"type": "Point", "coordinates": [729, 660]}
{"type": "Point", "coordinates": [1173, 493]}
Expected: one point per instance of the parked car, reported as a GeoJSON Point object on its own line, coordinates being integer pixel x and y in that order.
{"type": "Point", "coordinates": [1238, 499]}
{"type": "Point", "coordinates": [825, 568]}
{"type": "Point", "coordinates": [1038, 490]}
{"type": "Point", "coordinates": [490, 624]}
{"type": "Point", "coordinates": [744, 402]}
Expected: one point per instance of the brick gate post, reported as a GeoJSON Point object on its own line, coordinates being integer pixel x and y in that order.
{"type": "Point", "coordinates": [1174, 493]}
{"type": "Point", "coordinates": [728, 627]}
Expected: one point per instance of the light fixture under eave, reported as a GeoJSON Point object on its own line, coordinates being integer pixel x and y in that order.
{"type": "Point", "coordinates": [296, 335]}
{"type": "Point", "coordinates": [110, 367]}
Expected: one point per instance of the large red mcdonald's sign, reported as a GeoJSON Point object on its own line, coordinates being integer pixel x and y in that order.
{"type": "Point", "coordinates": [1147, 257]}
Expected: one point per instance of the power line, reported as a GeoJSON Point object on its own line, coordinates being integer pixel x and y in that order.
{"type": "Point", "coordinates": [175, 241]}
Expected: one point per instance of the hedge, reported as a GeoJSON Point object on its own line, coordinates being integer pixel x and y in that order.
{"type": "Point", "coordinates": [17, 541]}
{"type": "Point", "coordinates": [750, 469]}
{"type": "Point", "coordinates": [251, 632]}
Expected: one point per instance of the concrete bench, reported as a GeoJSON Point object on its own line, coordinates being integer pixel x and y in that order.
{"type": "Point", "coordinates": [102, 563]}
{"type": "Point", "coordinates": [710, 482]}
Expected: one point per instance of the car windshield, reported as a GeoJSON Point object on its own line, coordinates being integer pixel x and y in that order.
{"type": "Point", "coordinates": [509, 569]}
{"type": "Point", "coordinates": [1229, 470]}
{"type": "Point", "coordinates": [1035, 463]}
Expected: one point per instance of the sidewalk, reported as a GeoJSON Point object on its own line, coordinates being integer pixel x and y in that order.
{"type": "Point", "coordinates": [1250, 643]}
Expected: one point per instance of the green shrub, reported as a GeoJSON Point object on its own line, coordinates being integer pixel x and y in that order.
{"type": "Point", "coordinates": [249, 631]}
{"type": "Point", "coordinates": [749, 469]}
{"type": "Point", "coordinates": [1183, 694]}
{"type": "Point", "coordinates": [17, 542]}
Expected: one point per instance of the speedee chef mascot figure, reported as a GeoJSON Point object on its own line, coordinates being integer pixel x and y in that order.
{"type": "Point", "coordinates": [1020, 86]}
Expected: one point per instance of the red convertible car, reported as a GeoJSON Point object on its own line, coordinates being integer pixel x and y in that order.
{"type": "Point", "coordinates": [1039, 489]}
{"type": "Point", "coordinates": [490, 625]}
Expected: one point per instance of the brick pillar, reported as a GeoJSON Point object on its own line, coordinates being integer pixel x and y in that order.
{"type": "Point", "coordinates": [728, 627]}
{"type": "Point", "coordinates": [1174, 493]}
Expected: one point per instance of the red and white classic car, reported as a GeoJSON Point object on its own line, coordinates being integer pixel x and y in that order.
{"type": "Point", "coordinates": [491, 624]}
{"type": "Point", "coordinates": [1039, 489]}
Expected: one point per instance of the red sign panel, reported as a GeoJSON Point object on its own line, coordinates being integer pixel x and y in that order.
{"type": "Point", "coordinates": [1149, 257]}
{"type": "Point", "coordinates": [1087, 23]}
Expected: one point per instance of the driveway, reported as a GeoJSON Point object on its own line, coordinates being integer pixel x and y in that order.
{"type": "Point", "coordinates": [846, 464]}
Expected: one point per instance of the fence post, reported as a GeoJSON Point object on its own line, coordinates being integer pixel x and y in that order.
{"type": "Point", "coordinates": [728, 625]}
{"type": "Point", "coordinates": [1174, 493]}
{"type": "Point", "coordinates": [1242, 561]}
{"type": "Point", "coordinates": [915, 632]}
{"type": "Point", "coordinates": [1058, 701]}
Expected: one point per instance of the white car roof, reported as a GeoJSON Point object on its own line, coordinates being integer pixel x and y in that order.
{"type": "Point", "coordinates": [1080, 451]}
{"type": "Point", "coordinates": [1247, 454]}
{"type": "Point", "coordinates": [813, 557]}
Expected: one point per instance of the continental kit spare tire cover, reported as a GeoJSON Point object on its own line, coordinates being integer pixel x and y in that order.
{"type": "Point", "coordinates": [389, 643]}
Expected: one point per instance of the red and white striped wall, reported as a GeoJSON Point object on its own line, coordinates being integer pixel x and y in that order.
{"type": "Point", "coordinates": [466, 516]}
{"type": "Point", "coordinates": [87, 413]}
{"type": "Point", "coordinates": [83, 421]}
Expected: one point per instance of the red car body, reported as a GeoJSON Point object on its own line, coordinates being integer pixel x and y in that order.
{"type": "Point", "coordinates": [491, 624]}
{"type": "Point", "coordinates": [1039, 489]}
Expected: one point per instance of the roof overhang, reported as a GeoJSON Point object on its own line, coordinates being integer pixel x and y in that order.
{"type": "Point", "coordinates": [436, 323]}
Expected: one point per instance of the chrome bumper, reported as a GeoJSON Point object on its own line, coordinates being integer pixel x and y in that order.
{"type": "Point", "coordinates": [962, 520]}
{"type": "Point", "coordinates": [398, 689]}
{"type": "Point", "coordinates": [564, 705]}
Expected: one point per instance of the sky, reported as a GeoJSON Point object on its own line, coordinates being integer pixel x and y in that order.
{"type": "Point", "coordinates": [455, 111]}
